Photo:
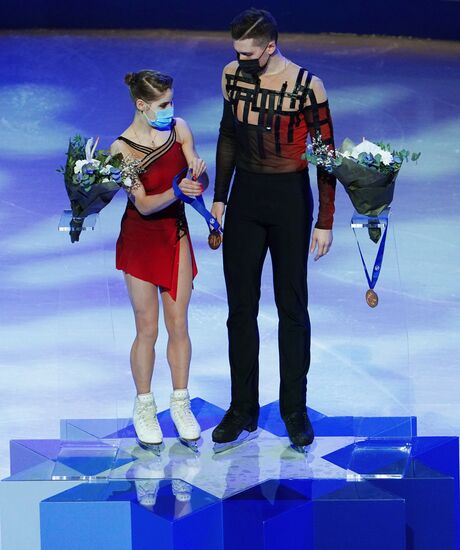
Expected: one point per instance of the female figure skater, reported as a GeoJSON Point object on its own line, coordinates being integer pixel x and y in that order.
{"type": "Point", "coordinates": [154, 249]}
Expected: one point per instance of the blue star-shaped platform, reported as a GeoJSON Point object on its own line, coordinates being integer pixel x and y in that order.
{"type": "Point", "coordinates": [366, 483]}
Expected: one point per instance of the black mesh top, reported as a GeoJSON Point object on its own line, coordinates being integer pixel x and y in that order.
{"type": "Point", "coordinates": [265, 125]}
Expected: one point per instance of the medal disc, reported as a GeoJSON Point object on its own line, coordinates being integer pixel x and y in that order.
{"type": "Point", "coordinates": [371, 298]}
{"type": "Point", "coordinates": [214, 239]}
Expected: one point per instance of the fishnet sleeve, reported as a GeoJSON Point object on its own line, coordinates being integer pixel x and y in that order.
{"type": "Point", "coordinates": [226, 154]}
{"type": "Point", "coordinates": [319, 121]}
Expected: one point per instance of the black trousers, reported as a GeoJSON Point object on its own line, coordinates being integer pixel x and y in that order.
{"type": "Point", "coordinates": [268, 212]}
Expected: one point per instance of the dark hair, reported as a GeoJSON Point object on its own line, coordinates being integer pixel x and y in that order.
{"type": "Point", "coordinates": [148, 85]}
{"type": "Point", "coordinates": [254, 23]}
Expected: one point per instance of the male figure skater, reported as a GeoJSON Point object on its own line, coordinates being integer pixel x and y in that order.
{"type": "Point", "coordinates": [270, 106]}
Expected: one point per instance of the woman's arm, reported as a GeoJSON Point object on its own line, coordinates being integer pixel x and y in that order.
{"type": "Point", "coordinates": [149, 204]}
{"type": "Point", "coordinates": [197, 165]}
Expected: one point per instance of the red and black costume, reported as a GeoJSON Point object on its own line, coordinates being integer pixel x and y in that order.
{"type": "Point", "coordinates": [149, 246]}
{"type": "Point", "coordinates": [263, 136]}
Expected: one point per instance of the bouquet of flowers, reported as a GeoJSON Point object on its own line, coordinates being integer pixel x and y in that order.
{"type": "Point", "coordinates": [92, 178]}
{"type": "Point", "coordinates": [367, 171]}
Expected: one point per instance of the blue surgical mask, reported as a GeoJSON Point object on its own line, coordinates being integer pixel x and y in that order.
{"type": "Point", "coordinates": [163, 118]}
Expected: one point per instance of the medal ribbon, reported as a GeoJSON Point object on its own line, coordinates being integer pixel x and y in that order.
{"type": "Point", "coordinates": [378, 260]}
{"type": "Point", "coordinates": [197, 203]}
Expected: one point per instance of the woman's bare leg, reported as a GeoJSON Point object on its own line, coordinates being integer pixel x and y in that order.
{"type": "Point", "coordinates": [179, 349]}
{"type": "Point", "coordinates": [144, 300]}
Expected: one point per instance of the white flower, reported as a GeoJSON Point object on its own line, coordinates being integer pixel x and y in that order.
{"type": "Point", "coordinates": [128, 182]}
{"type": "Point", "coordinates": [79, 165]}
{"type": "Point", "coordinates": [369, 147]}
{"type": "Point", "coordinates": [387, 157]}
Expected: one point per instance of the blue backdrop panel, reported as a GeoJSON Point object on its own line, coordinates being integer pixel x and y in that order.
{"type": "Point", "coordinates": [359, 516]}
{"type": "Point", "coordinates": [425, 18]}
{"type": "Point", "coordinates": [73, 525]}
{"type": "Point", "coordinates": [430, 488]}
{"type": "Point", "coordinates": [431, 508]}
{"type": "Point", "coordinates": [109, 515]}
{"type": "Point", "coordinates": [314, 515]}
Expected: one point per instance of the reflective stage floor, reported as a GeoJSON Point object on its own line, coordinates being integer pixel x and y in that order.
{"type": "Point", "coordinates": [361, 484]}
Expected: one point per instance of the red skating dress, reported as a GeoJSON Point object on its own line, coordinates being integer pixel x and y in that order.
{"type": "Point", "coordinates": [148, 246]}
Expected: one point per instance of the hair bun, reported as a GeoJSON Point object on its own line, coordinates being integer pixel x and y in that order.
{"type": "Point", "coordinates": [129, 78]}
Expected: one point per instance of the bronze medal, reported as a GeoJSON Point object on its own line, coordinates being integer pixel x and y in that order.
{"type": "Point", "coordinates": [214, 239]}
{"type": "Point", "coordinates": [371, 298]}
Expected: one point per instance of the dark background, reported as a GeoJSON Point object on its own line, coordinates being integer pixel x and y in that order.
{"type": "Point", "coordinates": [422, 18]}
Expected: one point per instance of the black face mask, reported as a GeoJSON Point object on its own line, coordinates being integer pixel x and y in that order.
{"type": "Point", "coordinates": [252, 66]}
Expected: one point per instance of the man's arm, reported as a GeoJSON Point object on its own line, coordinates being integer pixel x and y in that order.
{"type": "Point", "coordinates": [225, 156]}
{"type": "Point", "coordinates": [226, 153]}
{"type": "Point", "coordinates": [319, 122]}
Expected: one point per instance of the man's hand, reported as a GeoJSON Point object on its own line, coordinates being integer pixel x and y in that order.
{"type": "Point", "coordinates": [322, 240]}
{"type": "Point", "coordinates": [217, 210]}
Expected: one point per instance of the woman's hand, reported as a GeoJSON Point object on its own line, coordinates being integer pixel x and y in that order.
{"type": "Point", "coordinates": [217, 210]}
{"type": "Point", "coordinates": [322, 240]}
{"type": "Point", "coordinates": [197, 167]}
{"type": "Point", "coordinates": [190, 188]}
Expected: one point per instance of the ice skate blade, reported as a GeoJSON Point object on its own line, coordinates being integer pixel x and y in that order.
{"type": "Point", "coordinates": [153, 447]}
{"type": "Point", "coordinates": [302, 449]}
{"type": "Point", "coordinates": [242, 438]}
{"type": "Point", "coordinates": [191, 444]}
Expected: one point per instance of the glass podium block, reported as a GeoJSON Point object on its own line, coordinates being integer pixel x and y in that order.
{"type": "Point", "coordinates": [89, 223]}
{"type": "Point", "coordinates": [124, 418]}
{"type": "Point", "coordinates": [379, 355]}
{"type": "Point", "coordinates": [380, 458]}
{"type": "Point", "coordinates": [85, 460]}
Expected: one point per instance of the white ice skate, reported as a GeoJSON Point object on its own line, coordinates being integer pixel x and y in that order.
{"type": "Point", "coordinates": [148, 430]}
{"type": "Point", "coordinates": [182, 490]}
{"type": "Point", "coordinates": [146, 490]}
{"type": "Point", "coordinates": [186, 424]}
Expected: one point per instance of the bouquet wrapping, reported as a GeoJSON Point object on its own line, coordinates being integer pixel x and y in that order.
{"type": "Point", "coordinates": [367, 172]}
{"type": "Point", "coordinates": [92, 178]}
